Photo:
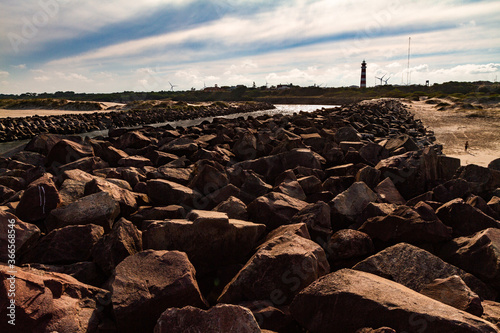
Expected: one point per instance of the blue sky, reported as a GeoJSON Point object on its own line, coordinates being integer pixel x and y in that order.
{"type": "Point", "coordinates": [110, 45]}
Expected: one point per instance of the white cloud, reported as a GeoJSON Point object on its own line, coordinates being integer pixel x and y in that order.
{"type": "Point", "coordinates": [21, 66]}
{"type": "Point", "coordinates": [4, 74]}
{"type": "Point", "coordinates": [42, 78]}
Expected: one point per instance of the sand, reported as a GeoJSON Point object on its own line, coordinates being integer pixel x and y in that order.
{"type": "Point", "coordinates": [107, 107]}
{"type": "Point", "coordinates": [453, 128]}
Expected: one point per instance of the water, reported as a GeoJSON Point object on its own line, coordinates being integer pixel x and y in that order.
{"type": "Point", "coordinates": [285, 109]}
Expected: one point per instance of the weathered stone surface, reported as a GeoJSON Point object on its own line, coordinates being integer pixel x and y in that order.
{"type": "Point", "coordinates": [6, 193]}
{"type": "Point", "coordinates": [403, 170]}
{"type": "Point", "coordinates": [125, 198]}
{"type": "Point", "coordinates": [402, 141]}
{"type": "Point", "coordinates": [208, 177]}
{"type": "Point", "coordinates": [85, 271]}
{"type": "Point", "coordinates": [352, 201]}
{"type": "Point", "coordinates": [164, 192]}
{"type": "Point", "coordinates": [51, 302]}
{"type": "Point", "coordinates": [414, 268]}
{"type": "Point", "coordinates": [177, 175]}
{"type": "Point", "coordinates": [494, 204]}
{"type": "Point", "coordinates": [71, 190]}
{"type": "Point", "coordinates": [147, 283]}
{"type": "Point", "coordinates": [272, 317]}
{"type": "Point", "coordinates": [87, 164]}
{"type": "Point", "coordinates": [454, 292]}
{"type": "Point", "coordinates": [310, 184]}
{"type": "Point", "coordinates": [464, 219]}
{"type": "Point", "coordinates": [135, 161]}
{"type": "Point", "coordinates": [348, 244]}
{"type": "Point", "coordinates": [234, 208]}
{"type": "Point", "coordinates": [25, 236]}
{"type": "Point", "coordinates": [124, 240]}
{"type": "Point", "coordinates": [327, 305]}
{"type": "Point", "coordinates": [282, 267]}
{"type": "Point", "coordinates": [479, 203]}
{"type": "Point", "coordinates": [317, 218]}
{"type": "Point", "coordinates": [210, 239]}
{"type": "Point", "coordinates": [15, 183]}
{"type": "Point", "coordinates": [389, 193]}
{"type": "Point", "coordinates": [299, 229]}
{"type": "Point", "coordinates": [245, 148]}
{"type": "Point", "coordinates": [274, 209]}
{"type": "Point", "coordinates": [478, 254]}
{"type": "Point", "coordinates": [452, 189]}
{"type": "Point", "coordinates": [66, 245]}
{"type": "Point", "coordinates": [133, 139]}
{"type": "Point", "coordinates": [39, 199]}
{"type": "Point", "coordinates": [377, 330]}
{"type": "Point", "coordinates": [369, 175]}
{"type": "Point", "coordinates": [491, 312]}
{"type": "Point", "coordinates": [291, 188]}
{"type": "Point", "coordinates": [221, 318]}
{"type": "Point", "coordinates": [495, 164]}
{"type": "Point", "coordinates": [67, 151]}
{"type": "Point", "coordinates": [346, 134]}
{"type": "Point", "coordinates": [480, 178]}
{"type": "Point", "coordinates": [406, 225]}
{"type": "Point", "coordinates": [99, 208]}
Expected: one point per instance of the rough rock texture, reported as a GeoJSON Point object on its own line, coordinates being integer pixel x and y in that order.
{"type": "Point", "coordinates": [491, 312]}
{"type": "Point", "coordinates": [38, 200]}
{"type": "Point", "coordinates": [165, 192]}
{"type": "Point", "coordinates": [50, 302]}
{"type": "Point", "coordinates": [348, 244]}
{"type": "Point", "coordinates": [147, 283]}
{"type": "Point", "coordinates": [223, 318]}
{"type": "Point", "coordinates": [282, 267]}
{"type": "Point", "coordinates": [414, 268]}
{"type": "Point", "coordinates": [352, 201]}
{"type": "Point", "coordinates": [25, 236]}
{"type": "Point", "coordinates": [327, 305]}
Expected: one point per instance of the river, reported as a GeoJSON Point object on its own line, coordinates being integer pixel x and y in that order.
{"type": "Point", "coordinates": [9, 147]}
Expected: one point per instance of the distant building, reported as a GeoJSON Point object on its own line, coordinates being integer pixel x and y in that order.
{"type": "Point", "coordinates": [213, 89]}
{"type": "Point", "coordinates": [363, 75]}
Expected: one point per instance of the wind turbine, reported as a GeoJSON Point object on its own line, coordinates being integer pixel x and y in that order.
{"type": "Point", "coordinates": [385, 81]}
{"type": "Point", "coordinates": [171, 86]}
{"type": "Point", "coordinates": [381, 78]}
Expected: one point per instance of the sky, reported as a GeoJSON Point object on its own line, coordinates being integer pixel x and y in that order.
{"type": "Point", "coordinates": [152, 45]}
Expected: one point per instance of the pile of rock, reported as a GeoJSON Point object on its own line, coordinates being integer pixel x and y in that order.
{"type": "Point", "coordinates": [339, 220]}
{"type": "Point", "coordinates": [25, 128]}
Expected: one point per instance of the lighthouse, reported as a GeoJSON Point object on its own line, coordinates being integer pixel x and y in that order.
{"type": "Point", "coordinates": [363, 75]}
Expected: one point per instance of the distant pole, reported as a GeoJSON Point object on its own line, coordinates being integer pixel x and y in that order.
{"type": "Point", "coordinates": [408, 68]}
{"type": "Point", "coordinates": [363, 75]}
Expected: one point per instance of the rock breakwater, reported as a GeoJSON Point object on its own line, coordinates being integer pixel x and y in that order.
{"type": "Point", "coordinates": [339, 220]}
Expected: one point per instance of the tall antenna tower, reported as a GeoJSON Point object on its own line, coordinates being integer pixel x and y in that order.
{"type": "Point", "coordinates": [408, 67]}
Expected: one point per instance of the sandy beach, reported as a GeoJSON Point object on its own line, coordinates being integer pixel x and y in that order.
{"type": "Point", "coordinates": [106, 107]}
{"type": "Point", "coordinates": [453, 128]}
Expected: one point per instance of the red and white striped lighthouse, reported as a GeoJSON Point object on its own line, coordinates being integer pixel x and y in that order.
{"type": "Point", "coordinates": [363, 75]}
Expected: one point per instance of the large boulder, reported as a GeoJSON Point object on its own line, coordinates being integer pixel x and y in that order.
{"type": "Point", "coordinates": [147, 283]}
{"type": "Point", "coordinates": [415, 268]}
{"type": "Point", "coordinates": [124, 240]}
{"type": "Point", "coordinates": [351, 203]}
{"type": "Point", "coordinates": [67, 151]}
{"type": "Point", "coordinates": [165, 192]}
{"type": "Point", "coordinates": [280, 268]}
{"type": "Point", "coordinates": [234, 208]}
{"type": "Point", "coordinates": [99, 208]}
{"type": "Point", "coordinates": [209, 238]}
{"type": "Point", "coordinates": [223, 318]}
{"type": "Point", "coordinates": [38, 200]}
{"type": "Point", "coordinates": [348, 300]}
{"type": "Point", "coordinates": [66, 245]}
{"type": "Point", "coordinates": [274, 209]}
{"type": "Point", "coordinates": [49, 302]}
{"type": "Point", "coordinates": [478, 254]}
{"type": "Point", "coordinates": [317, 218]}
{"type": "Point", "coordinates": [346, 245]}
{"type": "Point", "coordinates": [491, 312]}
{"type": "Point", "coordinates": [125, 198]}
{"type": "Point", "coordinates": [464, 219]}
{"type": "Point", "coordinates": [16, 236]}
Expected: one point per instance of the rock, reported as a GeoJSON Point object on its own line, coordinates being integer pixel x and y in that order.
{"type": "Point", "coordinates": [66, 245]}
{"type": "Point", "coordinates": [180, 146]}
{"type": "Point", "coordinates": [164, 192]}
{"type": "Point", "coordinates": [280, 268]}
{"type": "Point", "coordinates": [291, 188]}
{"type": "Point", "coordinates": [351, 202]}
{"type": "Point", "coordinates": [157, 213]}
{"type": "Point", "coordinates": [402, 141]}
{"type": "Point", "coordinates": [51, 302]}
{"type": "Point", "coordinates": [25, 237]}
{"type": "Point", "coordinates": [317, 218]}
{"type": "Point", "coordinates": [147, 283]}
{"type": "Point", "coordinates": [369, 175]}
{"type": "Point", "coordinates": [177, 175]}
{"type": "Point", "coordinates": [210, 239]}
{"type": "Point", "coordinates": [86, 272]}
{"type": "Point", "coordinates": [112, 155]}
{"type": "Point", "coordinates": [406, 225]}
{"type": "Point", "coordinates": [71, 190]}
{"type": "Point", "coordinates": [478, 254]}
{"type": "Point", "coordinates": [221, 318]}
{"type": "Point", "coordinates": [208, 177]}
{"type": "Point", "coordinates": [274, 209]}
{"type": "Point", "coordinates": [299, 229]}
{"type": "Point", "coordinates": [234, 208]}
{"type": "Point", "coordinates": [245, 148]}
{"type": "Point", "coordinates": [389, 193]}
{"type": "Point", "coordinates": [134, 161]}
{"type": "Point", "coordinates": [125, 198]}
{"type": "Point", "coordinates": [346, 134]}
{"type": "Point", "coordinates": [491, 312]}
{"type": "Point", "coordinates": [87, 164]}
{"type": "Point", "coordinates": [271, 317]}
{"type": "Point", "coordinates": [447, 166]}
{"type": "Point", "coordinates": [378, 330]}
{"type": "Point", "coordinates": [253, 185]}
{"type": "Point", "coordinates": [454, 292]}
{"type": "Point", "coordinates": [310, 184]}
{"type": "Point", "coordinates": [133, 139]}
{"type": "Point", "coordinates": [414, 268]}
{"type": "Point", "coordinates": [452, 189]}
{"type": "Point", "coordinates": [327, 305]}
{"type": "Point", "coordinates": [66, 151]}
{"type": "Point", "coordinates": [403, 170]}
{"type": "Point", "coordinates": [495, 164]}
{"type": "Point", "coordinates": [39, 199]}
{"type": "Point", "coordinates": [464, 219]}
{"type": "Point", "coordinates": [99, 209]}
{"type": "Point", "coordinates": [6, 193]}
{"type": "Point", "coordinates": [42, 143]}
{"type": "Point", "coordinates": [479, 203]}
{"type": "Point", "coordinates": [373, 153]}
{"type": "Point", "coordinates": [124, 240]}
{"type": "Point", "coordinates": [494, 204]}
{"type": "Point", "coordinates": [348, 244]}
{"type": "Point", "coordinates": [481, 179]}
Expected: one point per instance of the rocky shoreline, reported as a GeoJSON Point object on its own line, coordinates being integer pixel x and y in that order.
{"type": "Point", "coordinates": [339, 220]}
{"type": "Point", "coordinates": [12, 129]}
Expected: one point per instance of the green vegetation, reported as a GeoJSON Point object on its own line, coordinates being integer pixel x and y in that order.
{"type": "Point", "coordinates": [48, 103]}
{"type": "Point", "coordinates": [457, 92]}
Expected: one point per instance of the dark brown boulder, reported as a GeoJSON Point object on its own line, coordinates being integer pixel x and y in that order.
{"type": "Point", "coordinates": [317, 218]}
{"type": "Point", "coordinates": [6, 193]}
{"type": "Point", "coordinates": [234, 208]}
{"type": "Point", "coordinates": [71, 190]}
{"type": "Point", "coordinates": [274, 209]}
{"type": "Point", "coordinates": [208, 177]}
{"type": "Point", "coordinates": [134, 161]}
{"type": "Point", "coordinates": [452, 189]}
{"type": "Point", "coordinates": [39, 199]}
{"type": "Point", "coordinates": [51, 302]}
{"type": "Point", "coordinates": [12, 182]}
{"type": "Point", "coordinates": [454, 292]}
{"type": "Point", "coordinates": [491, 312]}
{"type": "Point", "coordinates": [478, 254]}
{"type": "Point", "coordinates": [124, 240]}
{"type": "Point", "coordinates": [387, 192]}
{"type": "Point", "coordinates": [224, 318]}
{"type": "Point", "coordinates": [66, 151]}
{"type": "Point", "coordinates": [164, 192]}
{"type": "Point", "coordinates": [348, 244]}
{"type": "Point", "coordinates": [133, 139]}
{"type": "Point", "coordinates": [280, 268]}
{"type": "Point", "coordinates": [327, 305]}
{"type": "Point", "coordinates": [348, 205]}
{"type": "Point", "coordinates": [87, 164]}
{"type": "Point", "coordinates": [66, 245]}
{"type": "Point", "coordinates": [85, 271]}
{"type": "Point", "coordinates": [414, 268]}
{"type": "Point", "coordinates": [99, 208]}
{"type": "Point", "coordinates": [125, 198]}
{"type": "Point", "coordinates": [347, 133]}
{"type": "Point", "coordinates": [25, 236]}
{"type": "Point", "coordinates": [402, 141]}
{"type": "Point", "coordinates": [147, 283]}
